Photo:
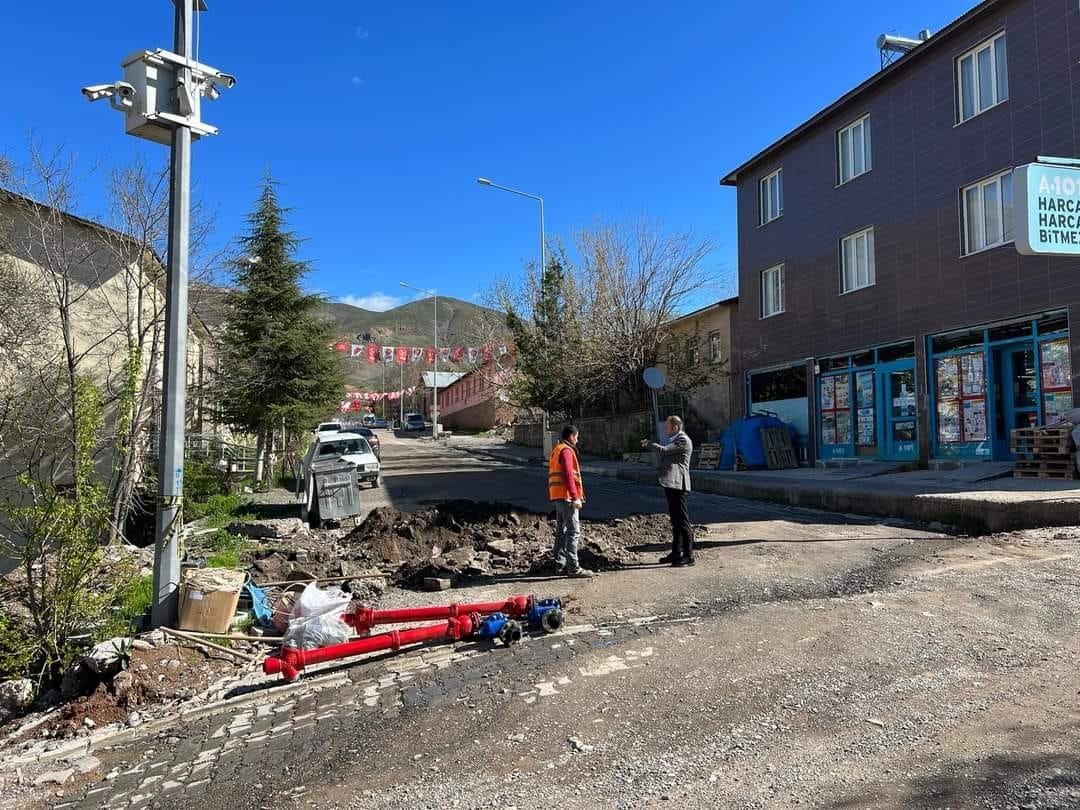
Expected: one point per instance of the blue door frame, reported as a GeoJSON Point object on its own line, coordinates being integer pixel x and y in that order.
{"type": "Point", "coordinates": [1016, 393]}
{"type": "Point", "coordinates": [898, 431]}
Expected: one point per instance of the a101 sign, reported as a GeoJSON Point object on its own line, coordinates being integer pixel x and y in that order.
{"type": "Point", "coordinates": [1047, 209]}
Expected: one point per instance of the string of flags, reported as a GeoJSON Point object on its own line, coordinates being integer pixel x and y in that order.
{"type": "Point", "coordinates": [424, 355]}
{"type": "Point", "coordinates": [356, 400]}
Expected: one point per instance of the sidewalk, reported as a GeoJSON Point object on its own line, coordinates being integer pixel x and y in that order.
{"type": "Point", "coordinates": [971, 499]}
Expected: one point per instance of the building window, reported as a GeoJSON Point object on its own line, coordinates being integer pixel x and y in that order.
{"type": "Point", "coordinates": [987, 212]}
{"type": "Point", "coordinates": [772, 196]}
{"type": "Point", "coordinates": [772, 291]}
{"type": "Point", "coordinates": [692, 354]}
{"type": "Point", "coordinates": [982, 78]}
{"type": "Point", "coordinates": [853, 149]}
{"type": "Point", "coordinates": [857, 261]}
{"type": "Point", "coordinates": [714, 347]}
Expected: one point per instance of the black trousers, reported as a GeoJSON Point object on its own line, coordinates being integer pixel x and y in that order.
{"type": "Point", "coordinates": [682, 536]}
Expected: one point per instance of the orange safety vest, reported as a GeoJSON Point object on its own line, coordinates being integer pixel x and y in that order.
{"type": "Point", "coordinates": [557, 490]}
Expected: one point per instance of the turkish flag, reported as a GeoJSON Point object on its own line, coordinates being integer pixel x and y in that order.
{"type": "Point", "coordinates": [401, 355]}
{"type": "Point", "coordinates": [457, 354]}
{"type": "Point", "coordinates": [371, 353]}
{"type": "Point", "coordinates": [341, 346]}
{"type": "Point", "coordinates": [429, 355]}
{"type": "Point", "coordinates": [488, 352]}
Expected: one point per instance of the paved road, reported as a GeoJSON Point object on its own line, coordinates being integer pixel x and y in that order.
{"type": "Point", "coordinates": [808, 660]}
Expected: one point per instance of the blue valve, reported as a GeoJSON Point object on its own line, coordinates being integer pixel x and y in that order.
{"type": "Point", "coordinates": [545, 614]}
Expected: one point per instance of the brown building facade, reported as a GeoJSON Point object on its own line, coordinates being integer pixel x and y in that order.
{"type": "Point", "coordinates": [884, 309]}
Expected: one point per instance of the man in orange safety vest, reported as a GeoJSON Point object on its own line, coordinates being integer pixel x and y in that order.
{"type": "Point", "coordinates": [567, 494]}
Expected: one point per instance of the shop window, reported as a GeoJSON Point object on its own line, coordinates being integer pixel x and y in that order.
{"type": "Point", "coordinates": [1056, 366]}
{"type": "Point", "coordinates": [781, 384]}
{"type": "Point", "coordinates": [987, 213]}
{"type": "Point", "coordinates": [834, 363]}
{"type": "Point", "coordinates": [857, 261]}
{"type": "Point", "coordinates": [1011, 331]}
{"type": "Point", "coordinates": [1053, 322]}
{"type": "Point", "coordinates": [865, 421]}
{"type": "Point", "coordinates": [898, 351]}
{"type": "Point", "coordinates": [863, 359]}
{"type": "Point", "coordinates": [853, 150]}
{"type": "Point", "coordinates": [957, 341]}
{"type": "Point", "coordinates": [772, 197]}
{"type": "Point", "coordinates": [961, 398]}
{"type": "Point", "coordinates": [982, 78]}
{"type": "Point", "coordinates": [772, 291]}
{"type": "Point", "coordinates": [835, 401]}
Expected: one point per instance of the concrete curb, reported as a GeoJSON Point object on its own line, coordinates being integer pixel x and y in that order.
{"type": "Point", "coordinates": [975, 515]}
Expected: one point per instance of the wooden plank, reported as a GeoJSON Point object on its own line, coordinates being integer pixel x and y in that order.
{"type": "Point", "coordinates": [779, 453]}
{"type": "Point", "coordinates": [709, 458]}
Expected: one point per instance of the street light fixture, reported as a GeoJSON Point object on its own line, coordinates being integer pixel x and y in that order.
{"type": "Point", "coordinates": [435, 378]}
{"type": "Point", "coordinates": [543, 265]}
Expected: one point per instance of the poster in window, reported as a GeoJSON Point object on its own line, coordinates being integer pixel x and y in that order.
{"type": "Point", "coordinates": [828, 429]}
{"type": "Point", "coordinates": [948, 378]}
{"type": "Point", "coordinates": [974, 420]}
{"type": "Point", "coordinates": [843, 427]}
{"type": "Point", "coordinates": [1056, 368]}
{"type": "Point", "coordinates": [827, 390]}
{"type": "Point", "coordinates": [864, 389]}
{"type": "Point", "coordinates": [865, 430]}
{"type": "Point", "coordinates": [971, 370]}
{"type": "Point", "coordinates": [948, 422]}
{"type": "Point", "coordinates": [904, 431]}
{"type": "Point", "coordinates": [843, 391]}
{"type": "Point", "coordinates": [1055, 405]}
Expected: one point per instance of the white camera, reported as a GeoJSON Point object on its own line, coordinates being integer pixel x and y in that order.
{"type": "Point", "coordinates": [125, 91]}
{"type": "Point", "coordinates": [96, 92]}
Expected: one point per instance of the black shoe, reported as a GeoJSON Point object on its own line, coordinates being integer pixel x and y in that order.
{"type": "Point", "coordinates": [683, 562]}
{"type": "Point", "coordinates": [669, 559]}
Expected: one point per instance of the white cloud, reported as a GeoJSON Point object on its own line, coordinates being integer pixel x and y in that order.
{"type": "Point", "coordinates": [357, 81]}
{"type": "Point", "coordinates": [376, 301]}
{"type": "Point", "coordinates": [362, 33]}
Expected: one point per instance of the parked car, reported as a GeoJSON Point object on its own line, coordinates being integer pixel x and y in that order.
{"type": "Point", "coordinates": [413, 421]}
{"type": "Point", "coordinates": [380, 423]}
{"type": "Point", "coordinates": [350, 447]}
{"type": "Point", "coordinates": [372, 439]}
{"type": "Point", "coordinates": [328, 427]}
{"type": "Point", "coordinates": [368, 420]}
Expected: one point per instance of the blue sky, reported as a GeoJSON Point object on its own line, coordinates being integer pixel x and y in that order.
{"type": "Point", "coordinates": [377, 118]}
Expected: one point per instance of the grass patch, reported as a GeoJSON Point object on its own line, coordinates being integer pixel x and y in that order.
{"type": "Point", "coordinates": [226, 548]}
{"type": "Point", "coordinates": [133, 602]}
{"type": "Point", "coordinates": [218, 511]}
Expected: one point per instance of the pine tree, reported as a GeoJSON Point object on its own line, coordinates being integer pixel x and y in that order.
{"type": "Point", "coordinates": [277, 361]}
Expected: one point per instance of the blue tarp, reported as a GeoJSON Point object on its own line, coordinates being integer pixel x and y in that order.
{"type": "Point", "coordinates": [743, 436]}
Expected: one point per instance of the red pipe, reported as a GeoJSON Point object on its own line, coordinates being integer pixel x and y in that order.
{"type": "Point", "coordinates": [291, 660]}
{"type": "Point", "coordinates": [364, 618]}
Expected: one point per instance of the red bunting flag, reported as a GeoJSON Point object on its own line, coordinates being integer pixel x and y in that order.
{"type": "Point", "coordinates": [429, 355]}
{"type": "Point", "coordinates": [488, 352]}
{"type": "Point", "coordinates": [401, 355]}
{"type": "Point", "coordinates": [457, 353]}
{"type": "Point", "coordinates": [371, 353]}
{"type": "Point", "coordinates": [341, 346]}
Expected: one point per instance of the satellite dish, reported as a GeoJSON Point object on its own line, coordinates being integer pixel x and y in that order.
{"type": "Point", "coordinates": [654, 378]}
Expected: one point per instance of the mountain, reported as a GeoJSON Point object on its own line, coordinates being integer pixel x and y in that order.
{"type": "Point", "coordinates": [461, 323]}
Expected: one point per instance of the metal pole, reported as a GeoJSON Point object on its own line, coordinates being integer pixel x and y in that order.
{"type": "Point", "coordinates": [174, 389]}
{"type": "Point", "coordinates": [401, 397]}
{"type": "Point", "coordinates": [435, 381]}
{"type": "Point", "coordinates": [546, 441]}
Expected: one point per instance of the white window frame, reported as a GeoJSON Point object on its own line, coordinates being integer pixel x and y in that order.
{"type": "Point", "coordinates": [1006, 231]}
{"type": "Point", "coordinates": [766, 214]}
{"type": "Point", "coordinates": [995, 46]}
{"type": "Point", "coordinates": [860, 277]}
{"type": "Point", "coordinates": [865, 149]}
{"type": "Point", "coordinates": [767, 312]}
{"type": "Point", "coordinates": [716, 349]}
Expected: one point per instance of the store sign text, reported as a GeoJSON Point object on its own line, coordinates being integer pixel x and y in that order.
{"type": "Point", "coordinates": [1047, 209]}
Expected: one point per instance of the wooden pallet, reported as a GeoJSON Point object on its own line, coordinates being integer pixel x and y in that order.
{"type": "Point", "coordinates": [779, 454]}
{"type": "Point", "coordinates": [1038, 441]}
{"type": "Point", "coordinates": [709, 459]}
{"type": "Point", "coordinates": [1064, 468]}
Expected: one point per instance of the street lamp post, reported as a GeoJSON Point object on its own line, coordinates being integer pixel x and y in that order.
{"type": "Point", "coordinates": [435, 377]}
{"type": "Point", "coordinates": [543, 265]}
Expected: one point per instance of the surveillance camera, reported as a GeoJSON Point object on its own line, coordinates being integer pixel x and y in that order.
{"type": "Point", "coordinates": [125, 91]}
{"type": "Point", "coordinates": [96, 92]}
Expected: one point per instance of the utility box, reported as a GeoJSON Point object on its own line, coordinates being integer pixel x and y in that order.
{"type": "Point", "coordinates": [156, 108]}
{"type": "Point", "coordinates": [335, 491]}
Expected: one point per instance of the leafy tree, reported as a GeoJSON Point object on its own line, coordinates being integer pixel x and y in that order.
{"type": "Point", "coordinates": [277, 362]}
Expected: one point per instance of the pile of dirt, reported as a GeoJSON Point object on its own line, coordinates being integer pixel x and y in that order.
{"type": "Point", "coordinates": [461, 540]}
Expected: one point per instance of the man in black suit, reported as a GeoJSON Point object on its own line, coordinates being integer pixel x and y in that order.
{"type": "Point", "coordinates": [675, 479]}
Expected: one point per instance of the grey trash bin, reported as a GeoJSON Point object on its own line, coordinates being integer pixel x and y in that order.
{"type": "Point", "coordinates": [337, 491]}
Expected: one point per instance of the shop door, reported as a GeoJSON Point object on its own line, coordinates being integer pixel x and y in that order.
{"type": "Point", "coordinates": [901, 425]}
{"type": "Point", "coordinates": [1015, 400]}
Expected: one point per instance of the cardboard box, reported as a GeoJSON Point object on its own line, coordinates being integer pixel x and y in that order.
{"type": "Point", "coordinates": [208, 598]}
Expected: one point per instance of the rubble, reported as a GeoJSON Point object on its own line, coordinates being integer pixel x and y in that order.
{"type": "Point", "coordinates": [16, 696]}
